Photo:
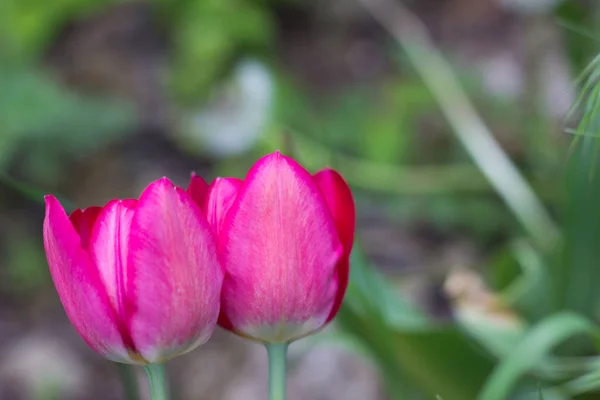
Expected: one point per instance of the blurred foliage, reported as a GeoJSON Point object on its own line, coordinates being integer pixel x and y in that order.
{"type": "Point", "coordinates": [41, 120]}
{"type": "Point", "coordinates": [532, 334]}
{"type": "Point", "coordinates": [556, 280]}
{"type": "Point", "coordinates": [579, 22]}
{"type": "Point", "coordinates": [549, 294]}
{"type": "Point", "coordinates": [377, 125]}
{"type": "Point", "coordinates": [208, 35]}
{"type": "Point", "coordinates": [52, 122]}
{"type": "Point", "coordinates": [411, 350]}
{"type": "Point", "coordinates": [375, 136]}
{"type": "Point", "coordinates": [25, 270]}
{"type": "Point", "coordinates": [27, 27]}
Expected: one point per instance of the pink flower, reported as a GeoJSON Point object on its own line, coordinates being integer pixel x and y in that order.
{"type": "Point", "coordinates": [139, 279]}
{"type": "Point", "coordinates": [284, 238]}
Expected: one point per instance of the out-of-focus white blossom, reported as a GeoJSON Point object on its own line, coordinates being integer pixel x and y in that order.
{"type": "Point", "coordinates": [235, 120]}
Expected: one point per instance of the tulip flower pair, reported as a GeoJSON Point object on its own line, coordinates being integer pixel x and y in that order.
{"type": "Point", "coordinates": [146, 280]}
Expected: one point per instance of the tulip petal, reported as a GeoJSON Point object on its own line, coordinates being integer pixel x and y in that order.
{"type": "Point", "coordinates": [109, 245]}
{"type": "Point", "coordinates": [79, 285]}
{"type": "Point", "coordinates": [221, 195]}
{"type": "Point", "coordinates": [198, 189]}
{"type": "Point", "coordinates": [83, 221]}
{"type": "Point", "coordinates": [341, 204]}
{"type": "Point", "coordinates": [174, 275]}
{"type": "Point", "coordinates": [339, 199]}
{"type": "Point", "coordinates": [280, 248]}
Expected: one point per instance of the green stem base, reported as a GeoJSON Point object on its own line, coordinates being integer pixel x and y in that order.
{"type": "Point", "coordinates": [157, 381]}
{"type": "Point", "coordinates": [277, 370]}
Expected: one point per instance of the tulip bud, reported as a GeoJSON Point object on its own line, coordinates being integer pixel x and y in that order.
{"type": "Point", "coordinates": [139, 279]}
{"type": "Point", "coordinates": [284, 238]}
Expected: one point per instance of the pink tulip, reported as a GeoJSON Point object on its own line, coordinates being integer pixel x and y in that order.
{"type": "Point", "coordinates": [139, 279]}
{"type": "Point", "coordinates": [284, 238]}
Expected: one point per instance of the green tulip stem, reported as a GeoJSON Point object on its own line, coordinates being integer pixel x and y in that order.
{"type": "Point", "coordinates": [157, 381]}
{"type": "Point", "coordinates": [277, 370]}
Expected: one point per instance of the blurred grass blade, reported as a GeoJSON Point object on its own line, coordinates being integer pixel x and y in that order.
{"type": "Point", "coordinates": [578, 29]}
{"type": "Point", "coordinates": [532, 349]}
{"type": "Point", "coordinates": [21, 188]}
{"type": "Point", "coordinates": [575, 272]}
{"type": "Point", "coordinates": [584, 384]}
{"type": "Point", "coordinates": [31, 193]}
{"type": "Point", "coordinates": [386, 177]}
{"type": "Point", "coordinates": [468, 127]}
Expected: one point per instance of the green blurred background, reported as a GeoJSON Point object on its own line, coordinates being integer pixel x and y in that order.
{"type": "Point", "coordinates": [476, 271]}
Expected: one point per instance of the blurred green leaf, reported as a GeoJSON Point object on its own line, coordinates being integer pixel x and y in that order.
{"type": "Point", "coordinates": [435, 360]}
{"type": "Point", "coordinates": [532, 349]}
{"type": "Point", "coordinates": [410, 350]}
{"type": "Point", "coordinates": [497, 334]}
{"type": "Point", "coordinates": [528, 291]}
{"type": "Point", "coordinates": [52, 121]}
{"type": "Point", "coordinates": [208, 36]}
{"type": "Point", "coordinates": [442, 360]}
{"type": "Point", "coordinates": [27, 27]}
{"type": "Point", "coordinates": [370, 294]}
{"type": "Point", "coordinates": [540, 394]}
{"type": "Point", "coordinates": [587, 383]}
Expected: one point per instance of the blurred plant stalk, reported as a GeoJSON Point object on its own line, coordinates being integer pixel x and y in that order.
{"type": "Point", "coordinates": [467, 125]}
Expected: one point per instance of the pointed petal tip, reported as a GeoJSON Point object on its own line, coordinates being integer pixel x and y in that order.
{"type": "Point", "coordinates": [277, 157]}
{"type": "Point", "coordinates": [52, 203]}
{"type": "Point", "coordinates": [194, 177]}
{"type": "Point", "coordinates": [48, 199]}
{"type": "Point", "coordinates": [159, 184]}
{"type": "Point", "coordinates": [197, 189]}
{"type": "Point", "coordinates": [181, 191]}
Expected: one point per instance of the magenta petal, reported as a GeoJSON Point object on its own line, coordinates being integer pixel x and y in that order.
{"type": "Point", "coordinates": [339, 199]}
{"type": "Point", "coordinates": [79, 287]}
{"type": "Point", "coordinates": [341, 204]}
{"type": "Point", "coordinates": [83, 221]}
{"type": "Point", "coordinates": [198, 189]}
{"type": "Point", "coordinates": [221, 195]}
{"type": "Point", "coordinates": [280, 248]}
{"type": "Point", "coordinates": [174, 277]}
{"type": "Point", "coordinates": [108, 249]}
